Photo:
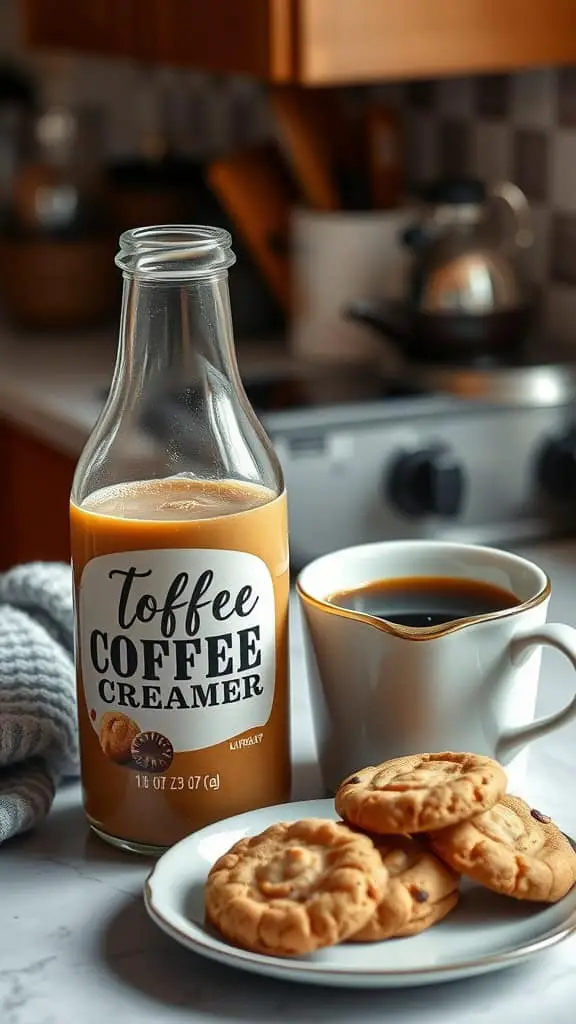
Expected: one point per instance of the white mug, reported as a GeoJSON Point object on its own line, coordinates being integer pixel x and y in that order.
{"type": "Point", "coordinates": [381, 690]}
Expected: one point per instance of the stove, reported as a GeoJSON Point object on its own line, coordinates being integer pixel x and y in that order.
{"type": "Point", "coordinates": [482, 454]}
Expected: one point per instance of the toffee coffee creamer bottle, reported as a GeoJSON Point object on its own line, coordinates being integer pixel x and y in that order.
{"type": "Point", "coordinates": [180, 558]}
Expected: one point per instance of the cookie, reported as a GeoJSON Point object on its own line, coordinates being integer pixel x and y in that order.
{"type": "Point", "coordinates": [420, 793]}
{"type": "Point", "coordinates": [419, 890]}
{"type": "Point", "coordinates": [511, 849]}
{"type": "Point", "coordinates": [295, 888]}
{"type": "Point", "coordinates": [152, 752]}
{"type": "Point", "coordinates": [116, 735]}
{"type": "Point", "coordinates": [436, 913]}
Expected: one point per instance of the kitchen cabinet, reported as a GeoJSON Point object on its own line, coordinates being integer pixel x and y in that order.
{"type": "Point", "coordinates": [315, 41]}
{"type": "Point", "coordinates": [92, 26]}
{"type": "Point", "coordinates": [34, 499]}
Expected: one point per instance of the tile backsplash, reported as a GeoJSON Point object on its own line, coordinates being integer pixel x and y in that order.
{"type": "Point", "coordinates": [206, 114]}
{"type": "Point", "coordinates": [520, 127]}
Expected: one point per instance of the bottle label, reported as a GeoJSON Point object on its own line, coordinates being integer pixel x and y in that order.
{"type": "Point", "coordinates": [177, 649]}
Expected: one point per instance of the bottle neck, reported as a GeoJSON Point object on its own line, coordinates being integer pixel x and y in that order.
{"type": "Point", "coordinates": [175, 335]}
{"type": "Point", "coordinates": [176, 404]}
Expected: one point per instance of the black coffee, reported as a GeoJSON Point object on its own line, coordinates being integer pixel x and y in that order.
{"type": "Point", "coordinates": [425, 600]}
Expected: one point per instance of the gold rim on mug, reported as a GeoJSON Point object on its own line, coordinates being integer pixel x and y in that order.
{"type": "Point", "coordinates": [421, 633]}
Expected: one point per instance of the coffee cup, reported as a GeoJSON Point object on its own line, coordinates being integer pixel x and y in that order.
{"type": "Point", "coordinates": [457, 670]}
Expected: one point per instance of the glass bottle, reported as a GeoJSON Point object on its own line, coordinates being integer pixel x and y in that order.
{"type": "Point", "coordinates": [180, 560]}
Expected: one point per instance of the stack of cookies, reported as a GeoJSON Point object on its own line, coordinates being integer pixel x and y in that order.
{"type": "Point", "coordinates": [411, 827]}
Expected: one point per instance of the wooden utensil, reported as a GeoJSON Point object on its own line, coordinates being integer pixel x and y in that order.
{"type": "Point", "coordinates": [257, 194]}
{"type": "Point", "coordinates": [385, 156]}
{"type": "Point", "coordinates": [301, 118]}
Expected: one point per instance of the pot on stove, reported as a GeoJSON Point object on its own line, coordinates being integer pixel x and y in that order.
{"type": "Point", "coordinates": [467, 293]}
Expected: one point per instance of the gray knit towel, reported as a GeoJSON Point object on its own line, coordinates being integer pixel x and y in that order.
{"type": "Point", "coordinates": [38, 736]}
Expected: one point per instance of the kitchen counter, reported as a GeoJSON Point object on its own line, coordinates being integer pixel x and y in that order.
{"type": "Point", "coordinates": [76, 946]}
{"type": "Point", "coordinates": [52, 386]}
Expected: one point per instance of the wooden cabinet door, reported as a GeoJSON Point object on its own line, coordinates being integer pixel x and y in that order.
{"type": "Point", "coordinates": [361, 40]}
{"type": "Point", "coordinates": [97, 26]}
{"type": "Point", "coordinates": [33, 500]}
{"type": "Point", "coordinates": [252, 37]}
{"type": "Point", "coordinates": [316, 42]}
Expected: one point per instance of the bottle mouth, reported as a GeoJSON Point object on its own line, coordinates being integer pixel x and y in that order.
{"type": "Point", "coordinates": [175, 252]}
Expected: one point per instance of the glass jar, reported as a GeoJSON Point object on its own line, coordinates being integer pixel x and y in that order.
{"type": "Point", "coordinates": [180, 560]}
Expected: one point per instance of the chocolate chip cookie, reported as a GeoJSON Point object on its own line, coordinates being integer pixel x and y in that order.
{"type": "Point", "coordinates": [421, 890]}
{"type": "Point", "coordinates": [511, 849]}
{"type": "Point", "coordinates": [437, 913]}
{"type": "Point", "coordinates": [420, 793]}
{"type": "Point", "coordinates": [296, 887]}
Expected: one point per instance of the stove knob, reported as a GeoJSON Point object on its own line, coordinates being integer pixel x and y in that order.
{"type": "Point", "coordinates": [558, 467]}
{"type": "Point", "coordinates": [427, 482]}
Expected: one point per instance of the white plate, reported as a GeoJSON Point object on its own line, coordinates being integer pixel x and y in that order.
{"type": "Point", "coordinates": [484, 933]}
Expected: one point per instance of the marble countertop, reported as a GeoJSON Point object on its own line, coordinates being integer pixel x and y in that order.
{"type": "Point", "coordinates": [76, 946]}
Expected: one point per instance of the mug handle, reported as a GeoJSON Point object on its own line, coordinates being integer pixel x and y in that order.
{"type": "Point", "coordinates": [562, 638]}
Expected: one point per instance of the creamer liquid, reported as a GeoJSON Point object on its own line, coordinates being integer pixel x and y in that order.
{"type": "Point", "coordinates": [181, 592]}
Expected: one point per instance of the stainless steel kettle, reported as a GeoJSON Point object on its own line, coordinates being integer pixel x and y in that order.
{"type": "Point", "coordinates": [467, 291]}
{"type": "Point", "coordinates": [465, 262]}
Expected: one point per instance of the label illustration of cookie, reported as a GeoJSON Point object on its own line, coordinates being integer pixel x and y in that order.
{"type": "Point", "coordinates": [116, 734]}
{"type": "Point", "coordinates": [152, 752]}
